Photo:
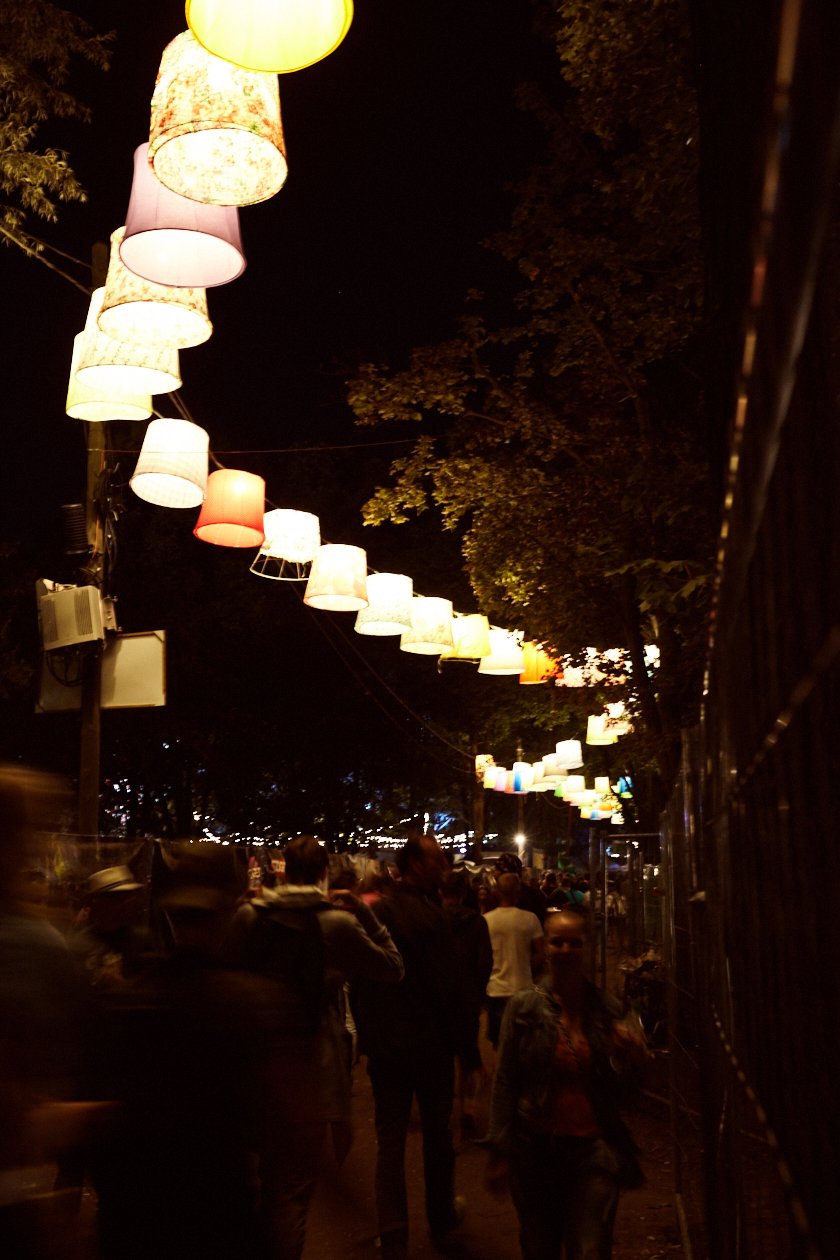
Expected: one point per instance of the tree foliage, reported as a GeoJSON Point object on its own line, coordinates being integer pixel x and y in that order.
{"type": "Point", "coordinates": [561, 432]}
{"type": "Point", "coordinates": [38, 44]}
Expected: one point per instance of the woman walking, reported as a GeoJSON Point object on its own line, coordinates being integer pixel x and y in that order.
{"type": "Point", "coordinates": [557, 1139]}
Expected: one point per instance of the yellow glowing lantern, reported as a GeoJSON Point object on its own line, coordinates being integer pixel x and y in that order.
{"type": "Point", "coordinates": [103, 402]}
{"type": "Point", "coordinates": [505, 653]}
{"type": "Point", "coordinates": [538, 664]}
{"type": "Point", "coordinates": [275, 35]}
{"type": "Point", "coordinates": [470, 638]}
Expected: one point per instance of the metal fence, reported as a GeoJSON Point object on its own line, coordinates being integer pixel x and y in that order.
{"type": "Point", "coordinates": [752, 860]}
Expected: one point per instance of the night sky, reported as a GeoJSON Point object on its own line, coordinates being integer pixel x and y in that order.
{"type": "Point", "coordinates": [401, 148]}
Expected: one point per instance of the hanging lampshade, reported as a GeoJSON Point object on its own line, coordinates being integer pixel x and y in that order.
{"type": "Point", "coordinates": [389, 605]}
{"type": "Point", "coordinates": [597, 731]}
{"type": "Point", "coordinates": [430, 632]}
{"type": "Point", "coordinates": [602, 784]}
{"type": "Point", "coordinates": [338, 579]}
{"type": "Point", "coordinates": [172, 468]}
{"type": "Point", "coordinates": [506, 655]}
{"type": "Point", "coordinates": [216, 134]}
{"type": "Point", "coordinates": [568, 753]}
{"type": "Point", "coordinates": [509, 777]}
{"type": "Point", "coordinates": [501, 779]}
{"type": "Point", "coordinates": [275, 35]}
{"type": "Point", "coordinates": [522, 776]}
{"type": "Point", "coordinates": [88, 402]}
{"type": "Point", "coordinates": [573, 788]}
{"type": "Point", "coordinates": [490, 777]}
{"type": "Point", "coordinates": [134, 309]}
{"type": "Point", "coordinates": [537, 771]}
{"type": "Point", "coordinates": [233, 511]}
{"type": "Point", "coordinates": [124, 365]}
{"type": "Point", "coordinates": [470, 638]}
{"type": "Point", "coordinates": [538, 664]}
{"type": "Point", "coordinates": [291, 540]}
{"type": "Point", "coordinates": [172, 240]}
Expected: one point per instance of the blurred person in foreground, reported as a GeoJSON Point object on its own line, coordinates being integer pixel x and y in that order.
{"type": "Point", "coordinates": [411, 1035]}
{"type": "Point", "coordinates": [474, 955]}
{"type": "Point", "coordinates": [42, 1030]}
{"type": "Point", "coordinates": [556, 1135]}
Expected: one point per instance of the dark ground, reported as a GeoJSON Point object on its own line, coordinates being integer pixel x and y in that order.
{"type": "Point", "coordinates": [342, 1223]}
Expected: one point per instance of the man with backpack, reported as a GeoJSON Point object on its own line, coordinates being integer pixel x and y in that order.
{"type": "Point", "coordinates": [308, 947]}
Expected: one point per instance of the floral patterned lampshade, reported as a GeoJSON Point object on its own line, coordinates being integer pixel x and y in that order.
{"type": "Point", "coordinates": [126, 366]}
{"type": "Point", "coordinates": [101, 403]}
{"type": "Point", "coordinates": [172, 468]}
{"type": "Point", "coordinates": [276, 35]}
{"type": "Point", "coordinates": [338, 579]}
{"type": "Point", "coordinates": [233, 511]}
{"type": "Point", "coordinates": [134, 309]}
{"type": "Point", "coordinates": [216, 134]}
{"type": "Point", "coordinates": [172, 240]}
{"type": "Point", "coordinates": [431, 626]}
{"type": "Point", "coordinates": [389, 605]}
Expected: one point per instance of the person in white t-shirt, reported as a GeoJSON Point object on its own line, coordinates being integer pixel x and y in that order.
{"type": "Point", "coordinates": [517, 939]}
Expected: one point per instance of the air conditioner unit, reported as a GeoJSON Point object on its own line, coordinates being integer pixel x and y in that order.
{"type": "Point", "coordinates": [69, 616]}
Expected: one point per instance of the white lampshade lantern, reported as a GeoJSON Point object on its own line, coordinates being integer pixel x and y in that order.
{"type": "Point", "coordinates": [573, 788]}
{"type": "Point", "coordinates": [291, 540]}
{"type": "Point", "coordinates": [598, 733]}
{"type": "Point", "coordinates": [172, 468]}
{"type": "Point", "coordinates": [500, 784]}
{"type": "Point", "coordinates": [506, 655]}
{"type": "Point", "coordinates": [389, 605]}
{"type": "Point", "coordinates": [216, 134]}
{"type": "Point", "coordinates": [602, 784]}
{"type": "Point", "coordinates": [617, 720]}
{"type": "Point", "coordinates": [98, 404]}
{"type": "Point", "coordinates": [274, 35]}
{"type": "Point", "coordinates": [124, 365]}
{"type": "Point", "coordinates": [569, 754]}
{"type": "Point", "coordinates": [431, 626]}
{"type": "Point", "coordinates": [470, 638]}
{"type": "Point", "coordinates": [337, 579]}
{"type": "Point", "coordinates": [134, 309]}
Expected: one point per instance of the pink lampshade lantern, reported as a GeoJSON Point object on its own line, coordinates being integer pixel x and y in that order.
{"type": "Point", "coordinates": [338, 579]}
{"type": "Point", "coordinates": [215, 131]}
{"type": "Point", "coordinates": [233, 511]}
{"type": "Point", "coordinates": [172, 240]}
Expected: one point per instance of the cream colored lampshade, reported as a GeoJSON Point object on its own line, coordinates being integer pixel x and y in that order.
{"type": "Point", "coordinates": [87, 402]}
{"type": "Point", "coordinates": [389, 605]}
{"type": "Point", "coordinates": [569, 754]}
{"type": "Point", "coordinates": [431, 626]}
{"type": "Point", "coordinates": [338, 579]}
{"type": "Point", "coordinates": [470, 638]}
{"type": "Point", "coordinates": [275, 35]}
{"type": "Point", "coordinates": [602, 784]}
{"type": "Point", "coordinates": [134, 309]}
{"type": "Point", "coordinates": [234, 509]}
{"type": "Point", "coordinates": [216, 134]}
{"type": "Point", "coordinates": [172, 468]}
{"type": "Point", "coordinates": [291, 540]}
{"type": "Point", "coordinates": [124, 365]}
{"type": "Point", "coordinates": [506, 656]}
{"type": "Point", "coordinates": [598, 732]}
{"type": "Point", "coordinates": [573, 788]}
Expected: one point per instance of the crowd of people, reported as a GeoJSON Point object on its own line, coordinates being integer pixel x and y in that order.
{"type": "Point", "coordinates": [187, 1050]}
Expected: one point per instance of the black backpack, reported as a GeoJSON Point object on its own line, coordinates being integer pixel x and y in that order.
{"type": "Point", "coordinates": [287, 945]}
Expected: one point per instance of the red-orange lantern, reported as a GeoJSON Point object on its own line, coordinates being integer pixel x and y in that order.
{"type": "Point", "coordinates": [234, 510]}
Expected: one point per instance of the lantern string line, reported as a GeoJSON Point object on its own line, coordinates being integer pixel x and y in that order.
{"type": "Point", "coordinates": [24, 245]}
{"type": "Point", "coordinates": [332, 638]}
{"type": "Point", "coordinates": [273, 450]}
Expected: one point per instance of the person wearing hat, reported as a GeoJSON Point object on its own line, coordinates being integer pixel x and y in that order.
{"type": "Point", "coordinates": [107, 939]}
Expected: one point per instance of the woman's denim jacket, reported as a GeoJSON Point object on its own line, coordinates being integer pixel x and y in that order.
{"type": "Point", "coordinates": [525, 1064]}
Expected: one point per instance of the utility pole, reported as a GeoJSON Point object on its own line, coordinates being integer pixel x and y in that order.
{"type": "Point", "coordinates": [96, 438]}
